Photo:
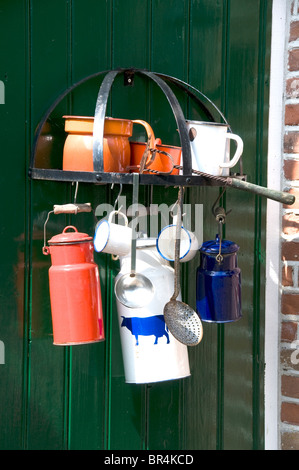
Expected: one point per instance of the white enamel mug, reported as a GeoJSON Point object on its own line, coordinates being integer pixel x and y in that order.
{"type": "Point", "coordinates": [210, 147]}
{"type": "Point", "coordinates": [113, 238]}
{"type": "Point", "coordinates": [189, 245]}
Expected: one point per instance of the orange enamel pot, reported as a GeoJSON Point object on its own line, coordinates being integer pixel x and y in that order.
{"type": "Point", "coordinates": [78, 147]}
{"type": "Point", "coordinates": [165, 157]}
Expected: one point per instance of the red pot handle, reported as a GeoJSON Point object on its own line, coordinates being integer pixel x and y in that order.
{"type": "Point", "coordinates": [69, 226]}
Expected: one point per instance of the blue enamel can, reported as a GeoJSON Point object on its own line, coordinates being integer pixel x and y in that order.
{"type": "Point", "coordinates": [218, 278]}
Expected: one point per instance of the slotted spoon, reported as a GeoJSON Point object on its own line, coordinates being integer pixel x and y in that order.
{"type": "Point", "coordinates": [182, 321]}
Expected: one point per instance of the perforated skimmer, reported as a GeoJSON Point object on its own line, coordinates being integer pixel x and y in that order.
{"type": "Point", "coordinates": [182, 321]}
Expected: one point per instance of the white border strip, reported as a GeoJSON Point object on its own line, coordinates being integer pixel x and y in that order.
{"type": "Point", "coordinates": [273, 266]}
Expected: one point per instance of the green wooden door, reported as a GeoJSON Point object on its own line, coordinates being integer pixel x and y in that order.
{"type": "Point", "coordinates": [76, 397]}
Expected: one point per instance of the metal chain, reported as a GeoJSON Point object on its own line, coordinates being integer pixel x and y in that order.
{"type": "Point", "coordinates": [219, 257]}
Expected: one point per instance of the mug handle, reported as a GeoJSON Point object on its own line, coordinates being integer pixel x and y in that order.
{"type": "Point", "coordinates": [150, 135]}
{"type": "Point", "coordinates": [238, 153]}
{"type": "Point", "coordinates": [119, 213]}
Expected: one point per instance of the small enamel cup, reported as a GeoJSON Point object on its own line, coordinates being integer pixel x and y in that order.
{"type": "Point", "coordinates": [210, 147]}
{"type": "Point", "coordinates": [166, 243]}
{"type": "Point", "coordinates": [113, 238]}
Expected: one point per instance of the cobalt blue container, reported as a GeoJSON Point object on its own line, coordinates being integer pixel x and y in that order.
{"type": "Point", "coordinates": [218, 288]}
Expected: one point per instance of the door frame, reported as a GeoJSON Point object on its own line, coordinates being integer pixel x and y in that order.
{"type": "Point", "coordinates": [273, 225]}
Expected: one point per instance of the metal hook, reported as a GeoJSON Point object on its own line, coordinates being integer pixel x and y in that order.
{"type": "Point", "coordinates": [119, 194]}
{"type": "Point", "coordinates": [177, 202]}
{"type": "Point", "coordinates": [76, 191]}
{"type": "Point", "coordinates": [219, 212]}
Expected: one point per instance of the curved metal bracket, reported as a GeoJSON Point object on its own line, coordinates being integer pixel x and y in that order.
{"type": "Point", "coordinates": [99, 121]}
{"type": "Point", "coordinates": [100, 111]}
{"type": "Point", "coordinates": [180, 120]}
{"type": "Point", "coordinates": [51, 109]}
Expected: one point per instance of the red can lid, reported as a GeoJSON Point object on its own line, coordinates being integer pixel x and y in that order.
{"type": "Point", "coordinates": [69, 237]}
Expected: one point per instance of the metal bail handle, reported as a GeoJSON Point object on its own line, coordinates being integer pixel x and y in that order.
{"type": "Point", "coordinates": [100, 112]}
{"type": "Point", "coordinates": [64, 209]}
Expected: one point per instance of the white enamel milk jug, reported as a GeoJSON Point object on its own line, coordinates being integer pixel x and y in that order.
{"type": "Point", "coordinates": [150, 352]}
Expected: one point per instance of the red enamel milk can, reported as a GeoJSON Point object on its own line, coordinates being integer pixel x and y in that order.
{"type": "Point", "coordinates": [75, 291]}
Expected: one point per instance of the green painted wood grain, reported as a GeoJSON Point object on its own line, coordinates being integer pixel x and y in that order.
{"type": "Point", "coordinates": [76, 398]}
{"type": "Point", "coordinates": [14, 252]}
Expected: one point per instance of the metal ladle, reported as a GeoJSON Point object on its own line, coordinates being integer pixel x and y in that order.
{"type": "Point", "coordinates": [134, 290]}
{"type": "Point", "coordinates": [182, 321]}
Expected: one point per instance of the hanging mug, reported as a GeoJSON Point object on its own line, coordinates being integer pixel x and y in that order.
{"type": "Point", "coordinates": [166, 243]}
{"type": "Point", "coordinates": [210, 147]}
{"type": "Point", "coordinates": [113, 238]}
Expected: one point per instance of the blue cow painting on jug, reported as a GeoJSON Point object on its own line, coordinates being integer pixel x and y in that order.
{"type": "Point", "coordinates": [147, 326]}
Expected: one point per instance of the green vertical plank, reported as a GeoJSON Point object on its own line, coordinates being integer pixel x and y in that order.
{"type": "Point", "coordinates": [169, 55]}
{"type": "Point", "coordinates": [238, 367]}
{"type": "Point", "coordinates": [204, 395]}
{"type": "Point", "coordinates": [88, 373]}
{"type": "Point", "coordinates": [246, 107]}
{"type": "Point", "coordinates": [130, 48]}
{"type": "Point", "coordinates": [49, 372]}
{"type": "Point", "coordinates": [90, 52]}
{"type": "Point", "coordinates": [131, 34]}
{"type": "Point", "coordinates": [221, 353]}
{"type": "Point", "coordinates": [13, 112]}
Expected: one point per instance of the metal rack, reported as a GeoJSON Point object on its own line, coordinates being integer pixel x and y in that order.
{"type": "Point", "coordinates": [98, 176]}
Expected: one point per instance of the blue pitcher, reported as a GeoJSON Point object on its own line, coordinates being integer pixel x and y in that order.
{"type": "Point", "coordinates": [218, 289]}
